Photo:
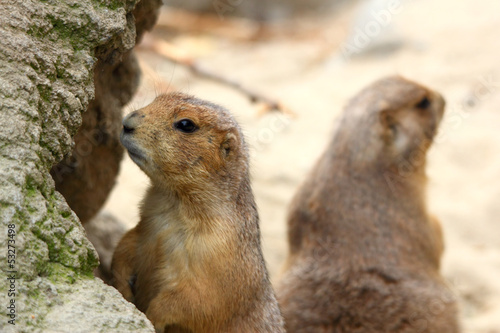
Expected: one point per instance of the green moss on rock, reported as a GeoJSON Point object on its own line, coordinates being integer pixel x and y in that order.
{"type": "Point", "coordinates": [48, 52]}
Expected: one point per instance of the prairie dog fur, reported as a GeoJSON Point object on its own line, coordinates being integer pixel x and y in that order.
{"type": "Point", "coordinates": [194, 262]}
{"type": "Point", "coordinates": [364, 253]}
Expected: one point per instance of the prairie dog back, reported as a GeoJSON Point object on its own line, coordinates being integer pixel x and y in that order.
{"type": "Point", "coordinates": [364, 252]}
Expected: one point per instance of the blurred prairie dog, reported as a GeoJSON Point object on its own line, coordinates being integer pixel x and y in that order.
{"type": "Point", "coordinates": [194, 262]}
{"type": "Point", "coordinates": [364, 253]}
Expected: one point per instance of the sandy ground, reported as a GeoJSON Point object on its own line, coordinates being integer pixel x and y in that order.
{"type": "Point", "coordinates": [451, 46]}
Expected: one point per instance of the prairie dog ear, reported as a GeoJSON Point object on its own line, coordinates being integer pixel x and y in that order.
{"type": "Point", "coordinates": [230, 143]}
{"type": "Point", "coordinates": [388, 122]}
{"type": "Point", "coordinates": [395, 131]}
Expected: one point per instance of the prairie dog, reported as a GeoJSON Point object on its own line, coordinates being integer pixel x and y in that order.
{"type": "Point", "coordinates": [364, 254]}
{"type": "Point", "coordinates": [194, 262]}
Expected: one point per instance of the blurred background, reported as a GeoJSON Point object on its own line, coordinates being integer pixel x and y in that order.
{"type": "Point", "coordinates": [286, 68]}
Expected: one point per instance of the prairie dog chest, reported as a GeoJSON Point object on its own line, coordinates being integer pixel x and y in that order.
{"type": "Point", "coordinates": [162, 253]}
{"type": "Point", "coordinates": [172, 252]}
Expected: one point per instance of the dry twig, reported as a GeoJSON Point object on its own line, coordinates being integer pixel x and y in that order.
{"type": "Point", "coordinates": [188, 22]}
{"type": "Point", "coordinates": [177, 55]}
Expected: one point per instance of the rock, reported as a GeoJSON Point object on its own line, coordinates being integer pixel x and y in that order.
{"type": "Point", "coordinates": [69, 303]}
{"type": "Point", "coordinates": [49, 51]}
{"type": "Point", "coordinates": [87, 175]}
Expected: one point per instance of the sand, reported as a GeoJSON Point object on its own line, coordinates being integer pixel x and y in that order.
{"type": "Point", "coordinates": [451, 46]}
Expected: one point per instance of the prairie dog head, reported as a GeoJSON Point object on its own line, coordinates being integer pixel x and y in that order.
{"type": "Point", "coordinates": [182, 142]}
{"type": "Point", "coordinates": [391, 119]}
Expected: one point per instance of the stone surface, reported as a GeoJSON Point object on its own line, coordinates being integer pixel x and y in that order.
{"type": "Point", "coordinates": [69, 303]}
{"type": "Point", "coordinates": [86, 176]}
{"type": "Point", "coordinates": [48, 52]}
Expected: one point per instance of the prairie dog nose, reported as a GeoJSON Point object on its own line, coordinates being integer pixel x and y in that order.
{"type": "Point", "coordinates": [131, 121]}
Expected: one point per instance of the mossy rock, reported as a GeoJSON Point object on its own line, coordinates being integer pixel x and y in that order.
{"type": "Point", "coordinates": [48, 53]}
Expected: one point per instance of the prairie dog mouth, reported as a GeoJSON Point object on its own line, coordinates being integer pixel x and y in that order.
{"type": "Point", "coordinates": [133, 150]}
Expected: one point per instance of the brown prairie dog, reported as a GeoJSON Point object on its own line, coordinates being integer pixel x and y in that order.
{"type": "Point", "coordinates": [364, 253]}
{"type": "Point", "coordinates": [194, 262]}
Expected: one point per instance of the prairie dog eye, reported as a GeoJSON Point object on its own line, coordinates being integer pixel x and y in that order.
{"type": "Point", "coordinates": [185, 125]}
{"type": "Point", "coordinates": [423, 104]}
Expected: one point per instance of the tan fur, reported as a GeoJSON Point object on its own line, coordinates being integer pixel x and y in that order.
{"type": "Point", "coordinates": [364, 253]}
{"type": "Point", "coordinates": [195, 254]}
